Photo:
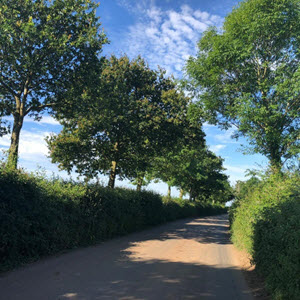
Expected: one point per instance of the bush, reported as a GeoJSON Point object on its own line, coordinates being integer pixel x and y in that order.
{"type": "Point", "coordinates": [276, 249]}
{"type": "Point", "coordinates": [39, 217]}
{"type": "Point", "coordinates": [266, 223]}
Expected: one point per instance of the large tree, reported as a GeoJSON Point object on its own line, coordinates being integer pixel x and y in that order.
{"type": "Point", "coordinates": [248, 76]}
{"type": "Point", "coordinates": [43, 44]}
{"type": "Point", "coordinates": [120, 124]}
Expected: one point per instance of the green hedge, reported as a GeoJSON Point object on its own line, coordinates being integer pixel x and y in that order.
{"type": "Point", "coordinates": [39, 217]}
{"type": "Point", "coordinates": [266, 223]}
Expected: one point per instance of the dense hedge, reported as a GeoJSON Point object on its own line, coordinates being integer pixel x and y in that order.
{"type": "Point", "coordinates": [266, 223]}
{"type": "Point", "coordinates": [39, 217]}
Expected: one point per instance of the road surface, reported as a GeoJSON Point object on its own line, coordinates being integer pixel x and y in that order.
{"type": "Point", "coordinates": [186, 259]}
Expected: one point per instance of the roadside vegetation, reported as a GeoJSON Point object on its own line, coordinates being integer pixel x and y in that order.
{"type": "Point", "coordinates": [40, 216]}
{"type": "Point", "coordinates": [248, 78]}
{"type": "Point", "coordinates": [119, 118]}
{"type": "Point", "coordinates": [265, 221]}
{"type": "Point", "coordinates": [122, 119]}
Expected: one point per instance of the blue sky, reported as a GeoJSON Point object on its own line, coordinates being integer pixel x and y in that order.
{"type": "Point", "coordinates": [165, 33]}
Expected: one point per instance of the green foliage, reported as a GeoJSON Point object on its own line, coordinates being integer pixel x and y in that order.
{"type": "Point", "coordinates": [123, 123]}
{"type": "Point", "coordinates": [201, 174]}
{"type": "Point", "coordinates": [276, 248]}
{"type": "Point", "coordinates": [44, 45]}
{"type": "Point", "coordinates": [248, 76]}
{"type": "Point", "coordinates": [39, 217]}
{"type": "Point", "coordinates": [266, 223]}
{"type": "Point", "coordinates": [176, 208]}
{"type": "Point", "coordinates": [195, 169]}
{"type": "Point", "coordinates": [243, 188]}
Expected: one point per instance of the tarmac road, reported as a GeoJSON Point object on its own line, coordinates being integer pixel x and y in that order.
{"type": "Point", "coordinates": [185, 259]}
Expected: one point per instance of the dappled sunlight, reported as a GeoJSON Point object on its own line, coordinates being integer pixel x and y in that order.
{"type": "Point", "coordinates": [186, 259]}
{"type": "Point", "coordinates": [156, 279]}
{"type": "Point", "coordinates": [197, 242]}
{"type": "Point", "coordinates": [173, 250]}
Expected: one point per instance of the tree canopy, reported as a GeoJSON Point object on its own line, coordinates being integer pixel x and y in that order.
{"type": "Point", "coordinates": [42, 44]}
{"type": "Point", "coordinates": [116, 128]}
{"type": "Point", "coordinates": [248, 76]}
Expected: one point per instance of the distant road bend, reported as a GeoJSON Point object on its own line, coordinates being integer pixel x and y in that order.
{"type": "Point", "coordinates": [186, 259]}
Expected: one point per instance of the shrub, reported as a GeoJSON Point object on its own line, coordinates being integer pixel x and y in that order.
{"type": "Point", "coordinates": [266, 223]}
{"type": "Point", "coordinates": [39, 217]}
{"type": "Point", "coordinates": [276, 248]}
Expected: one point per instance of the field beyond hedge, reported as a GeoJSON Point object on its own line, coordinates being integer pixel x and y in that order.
{"type": "Point", "coordinates": [39, 217]}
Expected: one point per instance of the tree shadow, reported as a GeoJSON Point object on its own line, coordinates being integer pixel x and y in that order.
{"type": "Point", "coordinates": [204, 230]}
{"type": "Point", "coordinates": [209, 230]}
{"type": "Point", "coordinates": [163, 280]}
{"type": "Point", "coordinates": [119, 269]}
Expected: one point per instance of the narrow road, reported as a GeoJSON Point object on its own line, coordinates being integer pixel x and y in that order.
{"type": "Point", "coordinates": [186, 259]}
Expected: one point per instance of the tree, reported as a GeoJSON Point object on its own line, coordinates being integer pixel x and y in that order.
{"type": "Point", "coordinates": [248, 75]}
{"type": "Point", "coordinates": [43, 43]}
{"type": "Point", "coordinates": [200, 172]}
{"type": "Point", "coordinates": [166, 165]}
{"type": "Point", "coordinates": [118, 126]}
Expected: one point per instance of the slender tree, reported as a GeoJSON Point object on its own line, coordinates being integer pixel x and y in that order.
{"type": "Point", "coordinates": [248, 75]}
{"type": "Point", "coordinates": [43, 43]}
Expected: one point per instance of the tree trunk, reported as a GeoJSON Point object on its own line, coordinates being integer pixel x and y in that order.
{"type": "Point", "coordinates": [140, 181]}
{"type": "Point", "coordinates": [169, 191]}
{"type": "Point", "coordinates": [139, 184]}
{"type": "Point", "coordinates": [276, 165]}
{"type": "Point", "coordinates": [12, 161]}
{"type": "Point", "coordinates": [275, 157]}
{"type": "Point", "coordinates": [181, 194]}
{"type": "Point", "coordinates": [112, 175]}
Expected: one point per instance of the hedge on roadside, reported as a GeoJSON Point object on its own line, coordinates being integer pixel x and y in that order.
{"type": "Point", "coordinates": [39, 217]}
{"type": "Point", "coordinates": [266, 223]}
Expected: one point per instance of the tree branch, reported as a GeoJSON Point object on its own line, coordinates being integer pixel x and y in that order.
{"type": "Point", "coordinates": [39, 108]}
{"type": "Point", "coordinates": [8, 88]}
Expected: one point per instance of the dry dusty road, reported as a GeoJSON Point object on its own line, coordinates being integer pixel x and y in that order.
{"type": "Point", "coordinates": [186, 259]}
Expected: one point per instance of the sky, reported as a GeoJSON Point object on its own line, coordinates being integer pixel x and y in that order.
{"type": "Point", "coordinates": [165, 33]}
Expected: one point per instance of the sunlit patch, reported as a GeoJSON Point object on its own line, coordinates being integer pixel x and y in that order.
{"type": "Point", "coordinates": [195, 223]}
{"type": "Point", "coordinates": [177, 250]}
{"type": "Point", "coordinates": [69, 296]}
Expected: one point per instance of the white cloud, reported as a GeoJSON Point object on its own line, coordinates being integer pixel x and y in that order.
{"type": "Point", "coordinates": [47, 120]}
{"type": "Point", "coordinates": [237, 172]}
{"type": "Point", "coordinates": [217, 148]}
{"type": "Point", "coordinates": [167, 37]}
{"type": "Point", "coordinates": [226, 137]}
{"type": "Point", "coordinates": [32, 145]}
{"type": "Point", "coordinates": [207, 126]}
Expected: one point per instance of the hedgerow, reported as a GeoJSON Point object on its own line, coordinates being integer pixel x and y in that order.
{"type": "Point", "coordinates": [266, 223]}
{"type": "Point", "coordinates": [40, 217]}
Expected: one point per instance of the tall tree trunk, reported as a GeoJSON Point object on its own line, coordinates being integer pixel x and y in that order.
{"type": "Point", "coordinates": [12, 161]}
{"type": "Point", "coordinates": [169, 190]}
{"type": "Point", "coordinates": [112, 175]}
{"type": "Point", "coordinates": [139, 184]}
{"type": "Point", "coordinates": [140, 181]}
{"type": "Point", "coordinates": [181, 194]}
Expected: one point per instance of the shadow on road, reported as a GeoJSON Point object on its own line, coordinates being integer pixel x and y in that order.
{"type": "Point", "coordinates": [167, 262]}
{"type": "Point", "coordinates": [202, 230]}
{"type": "Point", "coordinates": [160, 280]}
